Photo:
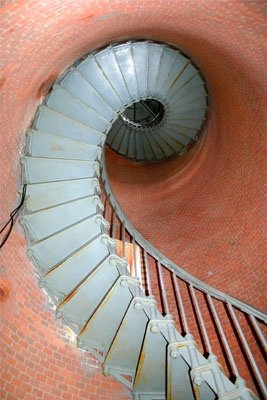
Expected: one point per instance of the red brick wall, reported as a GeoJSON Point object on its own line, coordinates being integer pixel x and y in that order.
{"type": "Point", "coordinates": [213, 205]}
{"type": "Point", "coordinates": [39, 357]}
{"type": "Point", "coordinates": [206, 211]}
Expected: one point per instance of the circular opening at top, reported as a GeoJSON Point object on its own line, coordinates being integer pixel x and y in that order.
{"type": "Point", "coordinates": [143, 114]}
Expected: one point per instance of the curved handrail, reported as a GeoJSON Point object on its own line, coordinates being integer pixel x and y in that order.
{"type": "Point", "coordinates": [167, 263]}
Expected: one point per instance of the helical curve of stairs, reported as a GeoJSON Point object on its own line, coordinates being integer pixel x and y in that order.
{"type": "Point", "coordinates": [91, 286]}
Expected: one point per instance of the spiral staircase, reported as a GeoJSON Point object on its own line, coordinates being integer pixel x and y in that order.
{"type": "Point", "coordinates": [148, 102]}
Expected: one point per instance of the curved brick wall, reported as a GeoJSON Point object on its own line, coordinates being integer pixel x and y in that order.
{"type": "Point", "coordinates": [216, 202]}
{"type": "Point", "coordinates": [208, 207]}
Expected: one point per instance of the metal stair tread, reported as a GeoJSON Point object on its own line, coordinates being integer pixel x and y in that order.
{"type": "Point", "coordinates": [147, 147]}
{"type": "Point", "coordinates": [148, 357]}
{"type": "Point", "coordinates": [44, 223]}
{"type": "Point", "coordinates": [112, 72]}
{"type": "Point", "coordinates": [124, 56]}
{"type": "Point", "coordinates": [168, 59]}
{"type": "Point", "coordinates": [156, 148]}
{"type": "Point", "coordinates": [116, 143]}
{"type": "Point", "coordinates": [182, 133]}
{"type": "Point", "coordinates": [154, 58]}
{"type": "Point", "coordinates": [51, 121]}
{"type": "Point", "coordinates": [123, 149]}
{"type": "Point", "coordinates": [124, 352]}
{"type": "Point", "coordinates": [56, 248]}
{"type": "Point", "coordinates": [177, 68]}
{"type": "Point", "coordinates": [94, 75]}
{"type": "Point", "coordinates": [115, 129]}
{"type": "Point", "coordinates": [174, 144]}
{"type": "Point", "coordinates": [42, 144]}
{"type": "Point", "coordinates": [101, 328]}
{"type": "Point", "coordinates": [79, 87]}
{"type": "Point", "coordinates": [74, 269]}
{"type": "Point", "coordinates": [81, 304]}
{"type": "Point", "coordinates": [41, 170]}
{"type": "Point", "coordinates": [132, 144]}
{"type": "Point", "coordinates": [140, 54]}
{"type": "Point", "coordinates": [65, 103]}
{"type": "Point", "coordinates": [40, 196]}
{"type": "Point", "coordinates": [163, 144]}
{"type": "Point", "coordinates": [140, 152]}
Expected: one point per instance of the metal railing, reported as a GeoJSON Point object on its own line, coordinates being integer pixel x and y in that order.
{"type": "Point", "coordinates": [221, 324]}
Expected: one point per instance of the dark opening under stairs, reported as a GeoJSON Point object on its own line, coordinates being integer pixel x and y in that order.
{"type": "Point", "coordinates": [148, 102]}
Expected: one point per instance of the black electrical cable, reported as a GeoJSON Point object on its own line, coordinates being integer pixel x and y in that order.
{"type": "Point", "coordinates": [10, 223]}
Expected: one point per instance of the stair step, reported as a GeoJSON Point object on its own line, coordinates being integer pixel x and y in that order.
{"type": "Point", "coordinates": [55, 249]}
{"type": "Point", "coordinates": [140, 152]}
{"type": "Point", "coordinates": [61, 281]}
{"type": "Point", "coordinates": [140, 53]}
{"type": "Point", "coordinates": [188, 115]}
{"type": "Point", "coordinates": [174, 144]}
{"type": "Point", "coordinates": [179, 385]}
{"type": "Point", "coordinates": [155, 53]}
{"type": "Point", "coordinates": [108, 63]}
{"type": "Point", "coordinates": [100, 330]}
{"type": "Point", "coordinates": [116, 127]}
{"type": "Point", "coordinates": [193, 86]}
{"type": "Point", "coordinates": [181, 80]}
{"type": "Point", "coordinates": [62, 101]}
{"type": "Point", "coordinates": [132, 143]}
{"type": "Point", "coordinates": [153, 354]}
{"type": "Point", "coordinates": [147, 147]}
{"type": "Point", "coordinates": [123, 149]}
{"type": "Point", "coordinates": [38, 170]}
{"type": "Point", "coordinates": [125, 58]}
{"type": "Point", "coordinates": [94, 75]}
{"type": "Point", "coordinates": [157, 150]}
{"type": "Point", "coordinates": [204, 367]}
{"type": "Point", "coordinates": [116, 143]}
{"type": "Point", "coordinates": [44, 223]}
{"type": "Point", "coordinates": [194, 102]}
{"type": "Point", "coordinates": [40, 144]}
{"type": "Point", "coordinates": [180, 133]}
{"type": "Point", "coordinates": [123, 356]}
{"type": "Point", "coordinates": [81, 304]}
{"type": "Point", "coordinates": [44, 195]}
{"type": "Point", "coordinates": [192, 90]}
{"type": "Point", "coordinates": [168, 59]}
{"type": "Point", "coordinates": [186, 123]}
{"type": "Point", "coordinates": [177, 69]}
{"type": "Point", "coordinates": [78, 86]}
{"type": "Point", "coordinates": [51, 121]}
{"type": "Point", "coordinates": [163, 144]}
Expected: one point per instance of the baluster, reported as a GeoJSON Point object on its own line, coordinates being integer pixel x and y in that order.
{"type": "Point", "coordinates": [200, 319]}
{"type": "Point", "coordinates": [123, 239]}
{"type": "Point", "coordinates": [102, 195]}
{"type": "Point", "coordinates": [180, 303]}
{"type": "Point", "coordinates": [223, 337]}
{"type": "Point", "coordinates": [114, 222]}
{"type": "Point", "coordinates": [212, 358]}
{"type": "Point", "coordinates": [147, 272]}
{"type": "Point", "coordinates": [163, 290]}
{"type": "Point", "coordinates": [106, 212]}
{"type": "Point", "coordinates": [247, 350]}
{"type": "Point", "coordinates": [258, 332]}
{"type": "Point", "coordinates": [134, 258]}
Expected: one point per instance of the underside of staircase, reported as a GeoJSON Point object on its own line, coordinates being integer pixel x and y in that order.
{"type": "Point", "coordinates": [148, 102]}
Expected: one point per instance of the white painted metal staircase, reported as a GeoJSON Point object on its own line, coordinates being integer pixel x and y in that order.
{"type": "Point", "coordinates": [113, 313]}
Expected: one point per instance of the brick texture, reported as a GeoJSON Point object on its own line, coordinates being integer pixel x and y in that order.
{"type": "Point", "coordinates": [39, 357]}
{"type": "Point", "coordinates": [207, 212]}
